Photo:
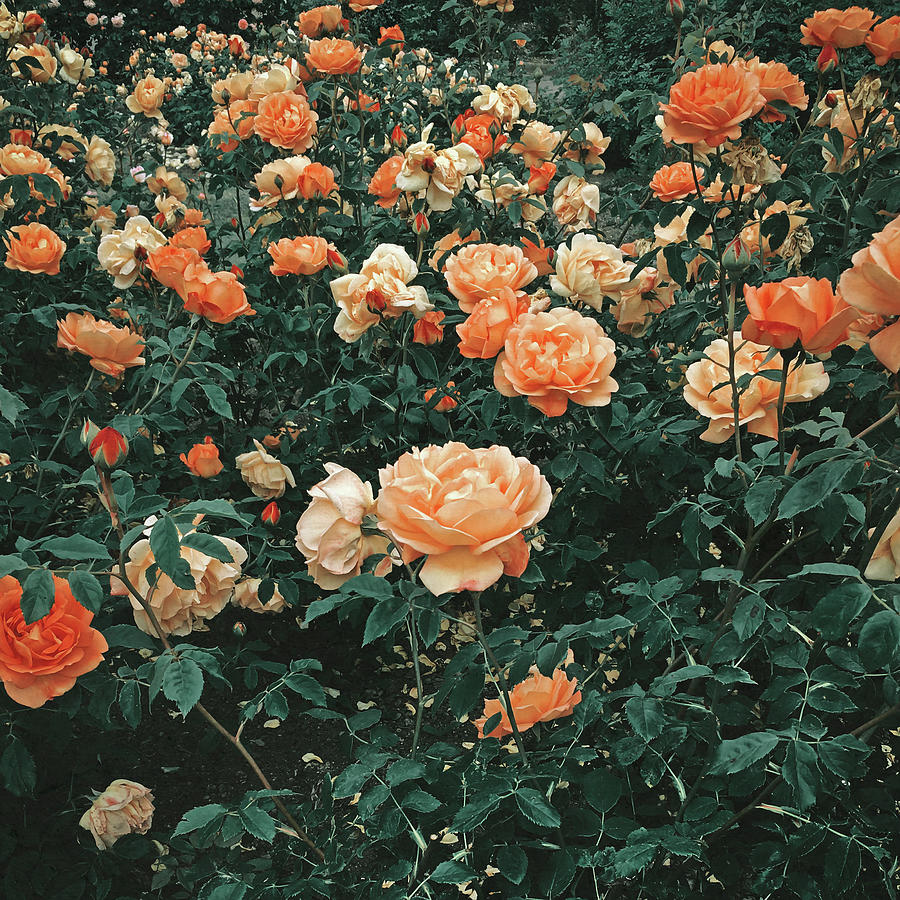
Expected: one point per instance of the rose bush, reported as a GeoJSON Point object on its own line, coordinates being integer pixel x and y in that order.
{"type": "Point", "coordinates": [403, 511]}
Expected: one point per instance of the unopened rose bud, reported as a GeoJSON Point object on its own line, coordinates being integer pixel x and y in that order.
{"type": "Point", "coordinates": [32, 21]}
{"type": "Point", "coordinates": [108, 449]}
{"type": "Point", "coordinates": [271, 514]}
{"type": "Point", "coordinates": [398, 137]}
{"type": "Point", "coordinates": [458, 128]}
{"type": "Point", "coordinates": [88, 432]}
{"type": "Point", "coordinates": [239, 629]}
{"type": "Point", "coordinates": [237, 271]}
{"type": "Point", "coordinates": [337, 262]}
{"type": "Point", "coordinates": [831, 100]}
{"type": "Point", "coordinates": [421, 224]}
{"type": "Point", "coordinates": [675, 9]}
{"type": "Point", "coordinates": [736, 257]}
{"type": "Point", "coordinates": [447, 402]}
{"type": "Point", "coordinates": [828, 59]}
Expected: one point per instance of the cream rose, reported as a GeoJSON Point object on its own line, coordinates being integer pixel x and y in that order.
{"type": "Point", "coordinates": [99, 161]}
{"type": "Point", "coordinates": [117, 251]}
{"type": "Point", "coordinates": [590, 270]}
{"type": "Point", "coordinates": [125, 807]}
{"type": "Point", "coordinates": [264, 474]}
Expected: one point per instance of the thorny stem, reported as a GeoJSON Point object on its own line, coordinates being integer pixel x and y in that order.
{"type": "Point", "coordinates": [417, 666]}
{"type": "Point", "coordinates": [500, 676]}
{"type": "Point", "coordinates": [159, 385]}
{"type": "Point", "coordinates": [779, 410]}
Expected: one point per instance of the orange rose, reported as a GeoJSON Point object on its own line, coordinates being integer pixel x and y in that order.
{"type": "Point", "coordinates": [446, 402]}
{"type": "Point", "coordinates": [217, 296]}
{"type": "Point", "coordinates": [477, 271]}
{"type": "Point", "coordinates": [285, 120]}
{"type": "Point", "coordinates": [34, 248]}
{"type": "Point", "coordinates": [316, 180]}
{"type": "Point", "coordinates": [428, 330]}
{"type": "Point", "coordinates": [883, 41]}
{"type": "Point", "coordinates": [20, 159]}
{"type": "Point", "coordinates": [42, 660]}
{"type": "Point", "coordinates": [447, 244]}
{"type": "Point", "coordinates": [147, 97]}
{"type": "Point", "coordinates": [383, 184]}
{"type": "Point", "coordinates": [777, 82]}
{"type": "Point", "coordinates": [483, 135]}
{"type": "Point", "coordinates": [394, 34]}
{"type": "Point", "coordinates": [334, 56]}
{"type": "Point", "coordinates": [539, 177]}
{"type": "Point", "coordinates": [873, 286]}
{"type": "Point", "coordinates": [675, 182]}
{"type": "Point", "coordinates": [840, 28]}
{"type": "Point", "coordinates": [539, 255]}
{"type": "Point", "coordinates": [194, 238]}
{"type": "Point", "coordinates": [203, 459]}
{"type": "Point", "coordinates": [556, 356]}
{"type": "Point", "coordinates": [298, 256]}
{"type": "Point", "coordinates": [169, 263]}
{"type": "Point", "coordinates": [466, 509]}
{"type": "Point", "coordinates": [536, 699]}
{"type": "Point", "coordinates": [112, 350]}
{"type": "Point", "coordinates": [321, 18]}
{"type": "Point", "coordinates": [797, 309]}
{"type": "Point", "coordinates": [484, 332]}
{"type": "Point", "coordinates": [707, 389]}
{"type": "Point", "coordinates": [708, 105]}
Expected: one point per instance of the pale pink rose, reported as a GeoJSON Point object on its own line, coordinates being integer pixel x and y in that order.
{"type": "Point", "coordinates": [266, 476]}
{"type": "Point", "coordinates": [466, 509]}
{"type": "Point", "coordinates": [125, 807]}
{"type": "Point", "coordinates": [332, 533]}
{"type": "Point", "coordinates": [885, 562]}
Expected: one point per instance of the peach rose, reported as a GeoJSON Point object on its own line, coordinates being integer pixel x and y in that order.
{"type": "Point", "coordinates": [797, 309]}
{"type": "Point", "coordinates": [676, 182]}
{"type": "Point", "coordinates": [34, 248]}
{"type": "Point", "coordinates": [73, 67]}
{"type": "Point", "coordinates": [884, 564]}
{"type": "Point", "coordinates": [203, 459]}
{"type": "Point", "coordinates": [536, 699]}
{"type": "Point", "coordinates": [20, 159]}
{"type": "Point", "coordinates": [384, 182]}
{"type": "Point", "coordinates": [285, 120]}
{"type": "Point", "coordinates": [336, 533]}
{"type": "Point", "coordinates": [42, 660]}
{"type": "Point", "coordinates": [590, 150]}
{"type": "Point", "coordinates": [191, 238]}
{"type": "Point", "coordinates": [505, 103]}
{"type": "Point", "coordinates": [179, 610]}
{"type": "Point", "coordinates": [839, 28]}
{"type": "Point", "coordinates": [555, 356]}
{"type": "Point", "coordinates": [590, 270]}
{"type": "Point", "coordinates": [166, 182]}
{"type": "Point", "coordinates": [119, 252]}
{"type": "Point", "coordinates": [276, 78]}
{"type": "Point", "coordinates": [466, 509]}
{"type": "Point", "coordinates": [363, 5]}
{"type": "Point", "coordinates": [99, 161]}
{"type": "Point", "coordinates": [125, 807]}
{"type": "Point", "coordinates": [576, 202]}
{"type": "Point", "coordinates": [316, 180]}
{"type": "Point", "coordinates": [708, 104]}
{"type": "Point", "coordinates": [777, 82]}
{"type": "Point", "coordinates": [334, 56]}
{"type": "Point", "coordinates": [279, 180]}
{"type": "Point", "coordinates": [321, 18]}
{"type": "Point", "coordinates": [169, 264]}
{"type": "Point", "coordinates": [477, 271]}
{"type": "Point", "coordinates": [483, 333]}
{"type": "Point", "coordinates": [708, 391]}
{"type": "Point", "coordinates": [883, 41]}
{"type": "Point", "coordinates": [298, 256]}
{"type": "Point", "coordinates": [217, 296]}
{"type": "Point", "coordinates": [266, 476]}
{"type": "Point", "coordinates": [873, 286]}
{"type": "Point", "coordinates": [381, 288]}
{"type": "Point", "coordinates": [35, 62]}
{"type": "Point", "coordinates": [147, 97]}
{"type": "Point", "coordinates": [246, 595]}
{"type": "Point", "coordinates": [637, 304]}
{"type": "Point", "coordinates": [112, 350]}
{"type": "Point", "coordinates": [482, 134]}
{"type": "Point", "coordinates": [448, 244]}
{"type": "Point", "coordinates": [536, 143]}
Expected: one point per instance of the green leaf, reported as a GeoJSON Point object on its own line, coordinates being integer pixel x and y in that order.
{"type": "Point", "coordinates": [760, 497]}
{"type": "Point", "coordinates": [75, 547]}
{"type": "Point", "coordinates": [879, 640]}
{"type": "Point", "coordinates": [209, 545]}
{"type": "Point", "coordinates": [749, 615]}
{"type": "Point", "coordinates": [129, 636]}
{"type": "Point", "coordinates": [844, 755]}
{"type": "Point", "coordinates": [421, 801]}
{"type": "Point", "coordinates": [86, 590]}
{"type": "Point", "coordinates": [11, 564]}
{"type": "Point", "coordinates": [183, 684]}
{"type": "Point", "coordinates": [512, 863]}
{"type": "Point", "coordinates": [166, 548]}
{"type": "Point", "coordinates": [386, 614]}
{"type": "Point", "coordinates": [813, 488]}
{"type": "Point", "coordinates": [738, 754]}
{"type": "Point", "coordinates": [452, 872]}
{"type": "Point", "coordinates": [222, 509]}
{"type": "Point", "coordinates": [218, 400]}
{"type": "Point", "coordinates": [534, 806]}
{"type": "Point", "coordinates": [473, 814]}
{"type": "Point", "coordinates": [307, 687]}
{"type": "Point", "coordinates": [199, 817]}
{"type": "Point", "coordinates": [404, 770]}
{"type": "Point", "coordinates": [130, 702]}
{"type": "Point", "coordinates": [602, 789]}
{"type": "Point", "coordinates": [258, 823]}
{"type": "Point", "coordinates": [10, 406]}
{"type": "Point", "coordinates": [838, 608]}
{"type": "Point", "coordinates": [633, 859]}
{"type": "Point", "coordinates": [646, 717]}
{"type": "Point", "coordinates": [17, 768]}
{"type": "Point", "coordinates": [38, 593]}
{"type": "Point", "coordinates": [799, 770]}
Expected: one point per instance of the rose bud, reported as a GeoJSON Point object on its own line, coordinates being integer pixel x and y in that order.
{"type": "Point", "coordinates": [271, 514]}
{"type": "Point", "coordinates": [447, 402]}
{"type": "Point", "coordinates": [827, 59]}
{"type": "Point", "coordinates": [88, 432]}
{"type": "Point", "coordinates": [831, 100]}
{"type": "Point", "coordinates": [421, 224]}
{"type": "Point", "coordinates": [203, 459]}
{"type": "Point", "coordinates": [32, 21]}
{"type": "Point", "coordinates": [108, 449]}
{"type": "Point", "coordinates": [398, 137]}
{"type": "Point", "coordinates": [239, 629]}
{"type": "Point", "coordinates": [736, 257]}
{"type": "Point", "coordinates": [675, 9]}
{"type": "Point", "coordinates": [337, 262]}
